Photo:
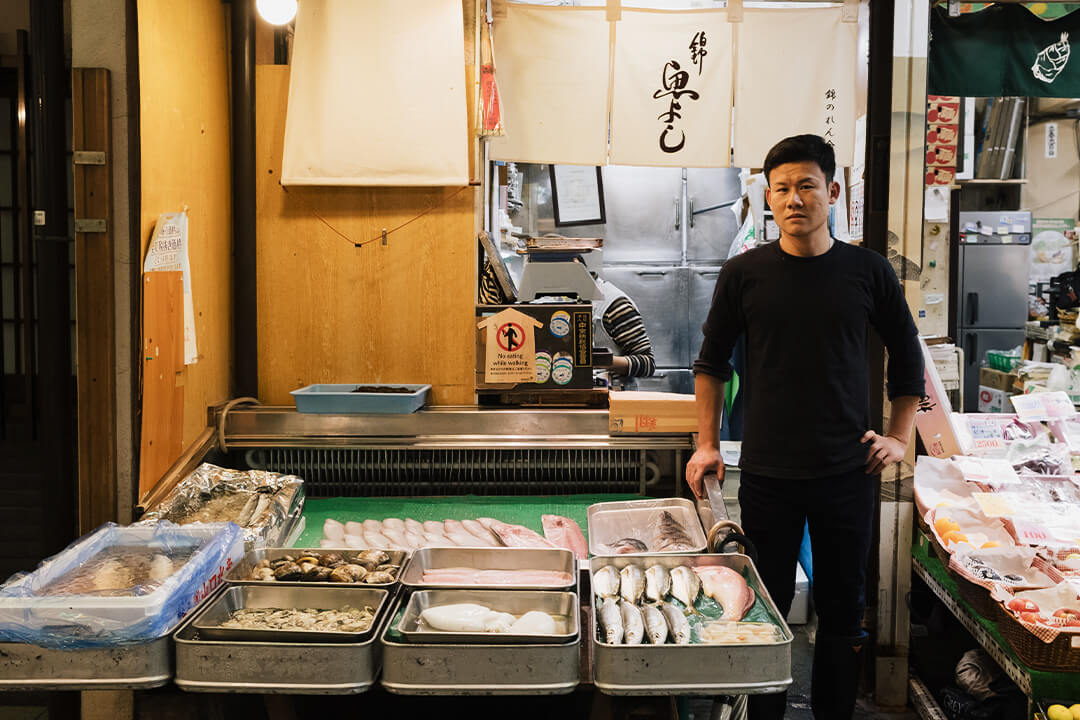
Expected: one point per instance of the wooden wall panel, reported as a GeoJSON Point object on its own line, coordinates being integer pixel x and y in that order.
{"type": "Point", "coordinates": [184, 125]}
{"type": "Point", "coordinates": [330, 312]}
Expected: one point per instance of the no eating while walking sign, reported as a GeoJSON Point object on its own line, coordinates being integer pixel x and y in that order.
{"type": "Point", "coordinates": [510, 347]}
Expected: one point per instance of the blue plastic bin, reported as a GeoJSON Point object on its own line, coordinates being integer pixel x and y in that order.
{"type": "Point", "coordinates": [339, 399]}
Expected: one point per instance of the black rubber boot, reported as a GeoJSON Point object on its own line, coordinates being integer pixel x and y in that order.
{"type": "Point", "coordinates": [766, 707]}
{"type": "Point", "coordinates": [835, 680]}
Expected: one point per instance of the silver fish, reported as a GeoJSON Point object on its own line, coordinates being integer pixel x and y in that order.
{"type": "Point", "coordinates": [633, 623]}
{"type": "Point", "coordinates": [669, 535]}
{"type": "Point", "coordinates": [685, 585]}
{"type": "Point", "coordinates": [655, 624]}
{"type": "Point", "coordinates": [611, 622]}
{"type": "Point", "coordinates": [605, 582]}
{"type": "Point", "coordinates": [657, 583]}
{"type": "Point", "coordinates": [677, 623]}
{"type": "Point", "coordinates": [627, 545]}
{"type": "Point", "coordinates": [632, 584]}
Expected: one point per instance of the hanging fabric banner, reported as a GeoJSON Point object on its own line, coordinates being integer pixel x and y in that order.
{"type": "Point", "coordinates": [671, 97]}
{"type": "Point", "coordinates": [786, 86]}
{"type": "Point", "coordinates": [552, 64]}
{"type": "Point", "coordinates": [1003, 51]}
{"type": "Point", "coordinates": [377, 94]}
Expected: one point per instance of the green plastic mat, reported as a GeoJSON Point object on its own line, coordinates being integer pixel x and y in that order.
{"type": "Point", "coordinates": [1043, 684]}
{"type": "Point", "coordinates": [521, 510]}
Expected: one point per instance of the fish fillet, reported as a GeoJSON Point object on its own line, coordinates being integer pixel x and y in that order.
{"type": "Point", "coordinates": [565, 533]}
{"type": "Point", "coordinates": [487, 522]}
{"type": "Point", "coordinates": [372, 526]}
{"type": "Point", "coordinates": [457, 533]}
{"type": "Point", "coordinates": [333, 530]}
{"type": "Point", "coordinates": [355, 541]}
{"type": "Point", "coordinates": [413, 525]}
{"type": "Point", "coordinates": [354, 528]}
{"type": "Point", "coordinates": [469, 576]}
{"type": "Point", "coordinates": [394, 524]}
{"type": "Point", "coordinates": [433, 526]}
{"type": "Point", "coordinates": [519, 536]}
{"type": "Point", "coordinates": [728, 588]}
{"type": "Point", "coordinates": [415, 539]}
{"type": "Point", "coordinates": [486, 536]}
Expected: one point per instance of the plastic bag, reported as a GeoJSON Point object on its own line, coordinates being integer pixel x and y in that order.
{"type": "Point", "coordinates": [975, 673]}
{"type": "Point", "coordinates": [118, 585]}
{"type": "Point", "coordinates": [1040, 457]}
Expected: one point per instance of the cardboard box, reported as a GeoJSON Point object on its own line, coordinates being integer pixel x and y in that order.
{"type": "Point", "coordinates": [991, 378]}
{"type": "Point", "coordinates": [992, 400]}
{"type": "Point", "coordinates": [651, 412]}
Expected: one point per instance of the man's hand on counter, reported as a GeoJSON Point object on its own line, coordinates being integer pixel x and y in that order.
{"type": "Point", "coordinates": [705, 459]}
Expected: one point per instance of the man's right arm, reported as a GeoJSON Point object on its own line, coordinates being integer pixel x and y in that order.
{"type": "Point", "coordinates": [709, 396]}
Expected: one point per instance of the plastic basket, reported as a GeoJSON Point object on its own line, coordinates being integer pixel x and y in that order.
{"type": "Point", "coordinates": [1003, 361]}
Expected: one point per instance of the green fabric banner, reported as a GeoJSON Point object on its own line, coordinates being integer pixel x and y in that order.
{"type": "Point", "coordinates": [1003, 51]}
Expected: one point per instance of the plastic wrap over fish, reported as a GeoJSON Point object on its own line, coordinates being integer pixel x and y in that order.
{"type": "Point", "coordinates": [264, 504]}
{"type": "Point", "coordinates": [118, 585]}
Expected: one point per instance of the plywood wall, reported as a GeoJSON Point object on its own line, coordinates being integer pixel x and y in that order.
{"type": "Point", "coordinates": [184, 125]}
{"type": "Point", "coordinates": [333, 313]}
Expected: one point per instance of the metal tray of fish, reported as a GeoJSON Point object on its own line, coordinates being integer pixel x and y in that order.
{"type": "Point", "coordinates": [326, 597]}
{"type": "Point", "coordinates": [561, 606]}
{"type": "Point", "coordinates": [417, 668]}
{"type": "Point", "coordinates": [691, 669]}
{"type": "Point", "coordinates": [294, 668]}
{"type": "Point", "coordinates": [634, 527]}
{"type": "Point", "coordinates": [544, 565]}
{"type": "Point", "coordinates": [241, 572]}
{"type": "Point", "coordinates": [130, 667]}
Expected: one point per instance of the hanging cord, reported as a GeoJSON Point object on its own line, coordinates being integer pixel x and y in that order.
{"type": "Point", "coordinates": [225, 413]}
{"type": "Point", "coordinates": [382, 235]}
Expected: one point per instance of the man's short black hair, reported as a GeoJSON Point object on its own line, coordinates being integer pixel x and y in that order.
{"type": "Point", "coordinates": [802, 148]}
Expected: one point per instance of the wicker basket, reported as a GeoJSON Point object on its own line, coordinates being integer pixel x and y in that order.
{"type": "Point", "coordinates": [1056, 656]}
{"type": "Point", "coordinates": [975, 595]}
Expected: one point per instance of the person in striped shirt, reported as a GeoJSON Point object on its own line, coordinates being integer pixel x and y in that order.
{"type": "Point", "coordinates": [615, 318]}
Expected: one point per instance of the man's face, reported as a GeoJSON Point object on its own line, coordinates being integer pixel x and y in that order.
{"type": "Point", "coordinates": [800, 197]}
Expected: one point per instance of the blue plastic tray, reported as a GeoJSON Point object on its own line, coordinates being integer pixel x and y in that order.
{"type": "Point", "coordinates": [339, 399]}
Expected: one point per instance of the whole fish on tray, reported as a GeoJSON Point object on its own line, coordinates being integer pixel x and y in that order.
{"type": "Point", "coordinates": [519, 536]}
{"type": "Point", "coordinates": [565, 533]}
{"type": "Point", "coordinates": [627, 546]}
{"type": "Point", "coordinates": [669, 535]}
{"type": "Point", "coordinates": [606, 582]}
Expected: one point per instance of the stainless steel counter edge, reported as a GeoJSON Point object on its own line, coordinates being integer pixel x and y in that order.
{"type": "Point", "coordinates": [435, 427]}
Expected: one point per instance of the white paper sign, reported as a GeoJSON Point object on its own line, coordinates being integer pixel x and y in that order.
{"type": "Point", "coordinates": [671, 95]}
{"type": "Point", "coordinates": [986, 470]}
{"type": "Point", "coordinates": [168, 253]}
{"type": "Point", "coordinates": [769, 105]}
{"type": "Point", "coordinates": [1051, 140]}
{"type": "Point", "coordinates": [1043, 406]}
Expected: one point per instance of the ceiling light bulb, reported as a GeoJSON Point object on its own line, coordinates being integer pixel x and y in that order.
{"type": "Point", "coordinates": [276, 12]}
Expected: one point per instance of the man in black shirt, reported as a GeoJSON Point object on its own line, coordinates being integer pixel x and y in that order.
{"type": "Point", "coordinates": [805, 305]}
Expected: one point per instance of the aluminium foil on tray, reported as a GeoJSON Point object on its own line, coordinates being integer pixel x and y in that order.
{"type": "Point", "coordinates": [266, 505]}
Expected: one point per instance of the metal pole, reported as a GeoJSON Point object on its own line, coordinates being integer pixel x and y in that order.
{"type": "Point", "coordinates": [245, 291]}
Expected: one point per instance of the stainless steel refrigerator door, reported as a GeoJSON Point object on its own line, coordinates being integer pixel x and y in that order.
{"type": "Point", "coordinates": [711, 232]}
{"type": "Point", "coordinates": [975, 343]}
{"type": "Point", "coordinates": [640, 205]}
{"type": "Point", "coordinates": [660, 294]}
{"type": "Point", "coordinates": [993, 286]}
{"type": "Point", "coordinates": [702, 284]}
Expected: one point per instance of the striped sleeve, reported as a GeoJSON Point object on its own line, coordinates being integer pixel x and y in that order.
{"type": "Point", "coordinates": [624, 324]}
{"type": "Point", "coordinates": [490, 292]}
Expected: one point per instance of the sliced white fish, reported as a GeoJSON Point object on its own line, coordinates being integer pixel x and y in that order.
{"type": "Point", "coordinates": [489, 523]}
{"type": "Point", "coordinates": [373, 526]}
{"type": "Point", "coordinates": [677, 623]}
{"type": "Point", "coordinates": [685, 585]}
{"type": "Point", "coordinates": [655, 625]}
{"type": "Point", "coordinates": [657, 583]}
{"type": "Point", "coordinates": [611, 622]}
{"type": "Point", "coordinates": [326, 543]}
{"type": "Point", "coordinates": [413, 525]}
{"type": "Point", "coordinates": [440, 540]}
{"type": "Point", "coordinates": [605, 582]}
{"type": "Point", "coordinates": [534, 622]}
{"type": "Point", "coordinates": [394, 524]}
{"type": "Point", "coordinates": [633, 623]}
{"type": "Point", "coordinates": [415, 539]}
{"type": "Point", "coordinates": [354, 528]}
{"type": "Point", "coordinates": [433, 526]}
{"type": "Point", "coordinates": [356, 541]}
{"type": "Point", "coordinates": [632, 583]}
{"type": "Point", "coordinates": [457, 533]}
{"type": "Point", "coordinates": [333, 530]}
{"type": "Point", "coordinates": [378, 540]}
{"type": "Point", "coordinates": [395, 536]}
{"type": "Point", "coordinates": [482, 533]}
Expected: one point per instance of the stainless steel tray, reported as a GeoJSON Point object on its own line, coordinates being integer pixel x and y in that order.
{"type": "Point", "coordinates": [298, 668]}
{"type": "Point", "coordinates": [130, 667]}
{"type": "Point", "coordinates": [516, 602]}
{"type": "Point", "coordinates": [207, 622]}
{"type": "Point", "coordinates": [241, 572]}
{"type": "Point", "coordinates": [691, 669]}
{"type": "Point", "coordinates": [478, 669]}
{"type": "Point", "coordinates": [613, 521]}
{"type": "Point", "coordinates": [420, 561]}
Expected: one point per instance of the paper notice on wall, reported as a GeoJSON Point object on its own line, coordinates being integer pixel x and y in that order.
{"type": "Point", "coordinates": [769, 106]}
{"type": "Point", "coordinates": [671, 96]}
{"type": "Point", "coordinates": [168, 253]}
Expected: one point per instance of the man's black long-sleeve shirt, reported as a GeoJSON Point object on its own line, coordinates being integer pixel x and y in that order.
{"type": "Point", "coordinates": [806, 321]}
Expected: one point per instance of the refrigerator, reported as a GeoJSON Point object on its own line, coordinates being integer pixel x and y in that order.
{"type": "Point", "coordinates": [990, 288]}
